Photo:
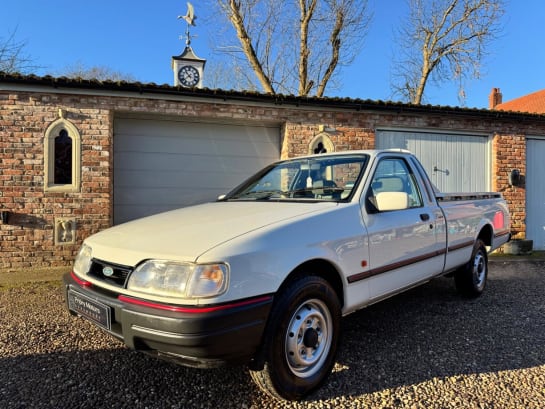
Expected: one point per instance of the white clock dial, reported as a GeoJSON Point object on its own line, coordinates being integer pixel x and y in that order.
{"type": "Point", "coordinates": [188, 76]}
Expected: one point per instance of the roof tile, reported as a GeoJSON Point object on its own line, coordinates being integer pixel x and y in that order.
{"type": "Point", "coordinates": [532, 103]}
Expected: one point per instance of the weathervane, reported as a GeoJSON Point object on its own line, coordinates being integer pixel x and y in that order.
{"type": "Point", "coordinates": [190, 20]}
{"type": "Point", "coordinates": [187, 67]}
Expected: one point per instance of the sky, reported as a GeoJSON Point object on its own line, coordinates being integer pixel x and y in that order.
{"type": "Point", "coordinates": [139, 37]}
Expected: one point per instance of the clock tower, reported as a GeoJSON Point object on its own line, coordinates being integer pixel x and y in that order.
{"type": "Point", "coordinates": [187, 67]}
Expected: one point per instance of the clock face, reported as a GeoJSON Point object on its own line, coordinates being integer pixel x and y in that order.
{"type": "Point", "coordinates": [188, 76]}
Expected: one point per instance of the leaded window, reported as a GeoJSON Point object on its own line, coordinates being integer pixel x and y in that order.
{"type": "Point", "coordinates": [62, 157]}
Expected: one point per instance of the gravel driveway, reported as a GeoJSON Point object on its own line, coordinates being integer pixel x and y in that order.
{"type": "Point", "coordinates": [427, 348]}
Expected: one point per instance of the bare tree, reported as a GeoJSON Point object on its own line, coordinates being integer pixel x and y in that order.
{"type": "Point", "coordinates": [13, 58]}
{"type": "Point", "coordinates": [444, 40]}
{"type": "Point", "coordinates": [97, 72]}
{"type": "Point", "coordinates": [227, 74]}
{"type": "Point", "coordinates": [295, 46]}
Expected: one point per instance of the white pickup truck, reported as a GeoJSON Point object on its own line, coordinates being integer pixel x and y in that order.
{"type": "Point", "coordinates": [263, 276]}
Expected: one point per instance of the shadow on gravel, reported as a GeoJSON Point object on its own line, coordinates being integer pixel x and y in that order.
{"type": "Point", "coordinates": [117, 378]}
{"type": "Point", "coordinates": [425, 333]}
{"type": "Point", "coordinates": [432, 332]}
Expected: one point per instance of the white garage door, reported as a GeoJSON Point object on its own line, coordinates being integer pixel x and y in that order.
{"type": "Point", "coordinates": [455, 163]}
{"type": "Point", "coordinates": [161, 165]}
{"type": "Point", "coordinates": [535, 192]}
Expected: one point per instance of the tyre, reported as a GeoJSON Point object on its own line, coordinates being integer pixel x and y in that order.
{"type": "Point", "coordinates": [471, 278]}
{"type": "Point", "coordinates": [301, 339]}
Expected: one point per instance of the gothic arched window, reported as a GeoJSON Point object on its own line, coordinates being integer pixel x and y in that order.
{"type": "Point", "coordinates": [321, 144]}
{"type": "Point", "coordinates": [62, 157]}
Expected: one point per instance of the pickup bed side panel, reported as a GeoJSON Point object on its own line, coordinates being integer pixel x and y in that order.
{"type": "Point", "coordinates": [466, 219]}
{"type": "Point", "coordinates": [466, 216]}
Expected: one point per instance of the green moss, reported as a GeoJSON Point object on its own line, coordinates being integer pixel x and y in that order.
{"type": "Point", "coordinates": [536, 255]}
{"type": "Point", "coordinates": [21, 277]}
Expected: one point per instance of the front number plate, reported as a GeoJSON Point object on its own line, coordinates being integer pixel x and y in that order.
{"type": "Point", "coordinates": [93, 310]}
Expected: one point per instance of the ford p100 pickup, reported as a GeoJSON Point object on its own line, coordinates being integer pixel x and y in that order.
{"type": "Point", "coordinates": [262, 276]}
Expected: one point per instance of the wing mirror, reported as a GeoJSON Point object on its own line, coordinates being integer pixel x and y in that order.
{"type": "Point", "coordinates": [388, 201]}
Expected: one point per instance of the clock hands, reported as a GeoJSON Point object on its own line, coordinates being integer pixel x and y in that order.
{"type": "Point", "coordinates": [188, 76]}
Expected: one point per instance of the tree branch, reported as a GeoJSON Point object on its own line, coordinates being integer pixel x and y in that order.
{"type": "Point", "coordinates": [296, 46]}
{"type": "Point", "coordinates": [304, 51]}
{"type": "Point", "coordinates": [335, 41]}
{"type": "Point", "coordinates": [238, 23]}
{"type": "Point", "coordinates": [451, 35]}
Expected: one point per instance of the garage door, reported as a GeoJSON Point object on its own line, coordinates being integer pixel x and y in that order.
{"type": "Point", "coordinates": [455, 163]}
{"type": "Point", "coordinates": [535, 193]}
{"type": "Point", "coordinates": [161, 165]}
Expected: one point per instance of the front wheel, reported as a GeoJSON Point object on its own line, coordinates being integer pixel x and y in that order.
{"type": "Point", "coordinates": [301, 340]}
{"type": "Point", "coordinates": [471, 278]}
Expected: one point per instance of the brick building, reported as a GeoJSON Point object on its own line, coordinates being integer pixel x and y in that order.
{"type": "Point", "coordinates": [532, 103]}
{"type": "Point", "coordinates": [535, 148]}
{"type": "Point", "coordinates": [79, 156]}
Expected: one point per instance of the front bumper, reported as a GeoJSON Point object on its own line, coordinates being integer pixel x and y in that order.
{"type": "Point", "coordinates": [197, 337]}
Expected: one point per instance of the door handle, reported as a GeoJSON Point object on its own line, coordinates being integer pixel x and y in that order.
{"type": "Point", "coordinates": [424, 217]}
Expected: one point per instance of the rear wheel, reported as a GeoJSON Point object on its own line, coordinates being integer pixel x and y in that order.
{"type": "Point", "coordinates": [471, 278]}
{"type": "Point", "coordinates": [301, 339]}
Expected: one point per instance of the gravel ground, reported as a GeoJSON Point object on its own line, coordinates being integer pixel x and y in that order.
{"type": "Point", "coordinates": [427, 348]}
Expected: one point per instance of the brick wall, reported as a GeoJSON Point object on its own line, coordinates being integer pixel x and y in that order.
{"type": "Point", "coordinates": [28, 239]}
{"type": "Point", "coordinates": [508, 153]}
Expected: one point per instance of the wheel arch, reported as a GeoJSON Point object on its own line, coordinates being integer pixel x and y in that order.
{"type": "Point", "coordinates": [486, 235]}
{"type": "Point", "coordinates": [322, 268]}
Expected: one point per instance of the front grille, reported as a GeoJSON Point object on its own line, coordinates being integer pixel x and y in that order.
{"type": "Point", "coordinates": [118, 276]}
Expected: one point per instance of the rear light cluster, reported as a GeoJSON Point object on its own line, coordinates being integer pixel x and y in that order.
{"type": "Point", "coordinates": [499, 221]}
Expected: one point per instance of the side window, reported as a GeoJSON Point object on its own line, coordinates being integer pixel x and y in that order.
{"type": "Point", "coordinates": [394, 175]}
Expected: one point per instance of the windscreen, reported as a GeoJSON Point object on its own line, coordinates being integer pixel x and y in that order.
{"type": "Point", "coordinates": [322, 178]}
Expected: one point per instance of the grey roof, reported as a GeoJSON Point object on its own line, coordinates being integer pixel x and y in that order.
{"type": "Point", "coordinates": [188, 54]}
{"type": "Point", "coordinates": [354, 104]}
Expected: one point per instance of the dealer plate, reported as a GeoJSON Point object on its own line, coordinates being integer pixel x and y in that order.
{"type": "Point", "coordinates": [93, 310]}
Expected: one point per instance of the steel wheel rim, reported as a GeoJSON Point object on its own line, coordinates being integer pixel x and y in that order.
{"type": "Point", "coordinates": [308, 338]}
{"type": "Point", "coordinates": [479, 270]}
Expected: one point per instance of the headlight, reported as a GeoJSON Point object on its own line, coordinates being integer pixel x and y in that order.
{"type": "Point", "coordinates": [175, 279]}
{"type": "Point", "coordinates": [83, 260]}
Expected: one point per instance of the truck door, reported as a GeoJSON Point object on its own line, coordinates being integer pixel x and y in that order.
{"type": "Point", "coordinates": [404, 245]}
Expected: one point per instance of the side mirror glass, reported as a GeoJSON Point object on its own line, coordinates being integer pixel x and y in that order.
{"type": "Point", "coordinates": [388, 201]}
